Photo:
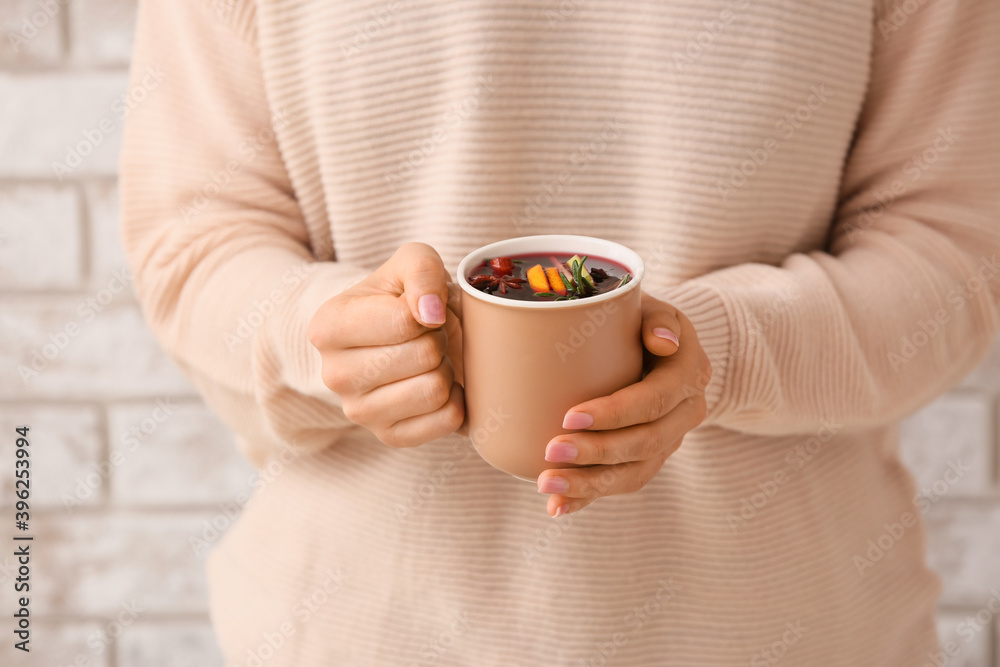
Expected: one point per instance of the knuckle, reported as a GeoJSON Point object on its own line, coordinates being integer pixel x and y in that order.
{"type": "Point", "coordinates": [617, 412]}
{"type": "Point", "coordinates": [437, 388]}
{"type": "Point", "coordinates": [391, 438]}
{"type": "Point", "coordinates": [454, 415]}
{"type": "Point", "coordinates": [428, 351]}
{"type": "Point", "coordinates": [705, 369]}
{"type": "Point", "coordinates": [401, 324]}
{"type": "Point", "coordinates": [313, 331]}
{"type": "Point", "coordinates": [700, 409]}
{"type": "Point", "coordinates": [334, 380]}
{"type": "Point", "coordinates": [657, 405]}
{"type": "Point", "coordinates": [321, 330]}
{"type": "Point", "coordinates": [354, 412]}
{"type": "Point", "coordinates": [588, 487]}
{"type": "Point", "coordinates": [649, 446]}
{"type": "Point", "coordinates": [426, 264]}
{"type": "Point", "coordinates": [635, 479]}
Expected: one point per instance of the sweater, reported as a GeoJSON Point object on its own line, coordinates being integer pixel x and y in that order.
{"type": "Point", "coordinates": [810, 183]}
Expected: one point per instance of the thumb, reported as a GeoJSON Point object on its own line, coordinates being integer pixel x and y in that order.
{"type": "Point", "coordinates": [417, 272]}
{"type": "Point", "coordinates": [661, 326]}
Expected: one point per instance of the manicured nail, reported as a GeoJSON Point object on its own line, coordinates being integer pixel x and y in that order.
{"type": "Point", "coordinates": [668, 334]}
{"type": "Point", "coordinates": [431, 309]}
{"type": "Point", "coordinates": [560, 452]}
{"type": "Point", "coordinates": [553, 485]}
{"type": "Point", "coordinates": [577, 420]}
{"type": "Point", "coordinates": [559, 511]}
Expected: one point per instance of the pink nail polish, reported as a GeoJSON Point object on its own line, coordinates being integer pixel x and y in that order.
{"type": "Point", "coordinates": [560, 452]}
{"type": "Point", "coordinates": [577, 420]}
{"type": "Point", "coordinates": [431, 309]}
{"type": "Point", "coordinates": [553, 485]}
{"type": "Point", "coordinates": [666, 333]}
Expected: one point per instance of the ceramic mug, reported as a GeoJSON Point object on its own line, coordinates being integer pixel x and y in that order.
{"type": "Point", "coordinates": [527, 362]}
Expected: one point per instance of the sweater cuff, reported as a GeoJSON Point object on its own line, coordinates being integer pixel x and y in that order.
{"type": "Point", "coordinates": [713, 321]}
{"type": "Point", "coordinates": [297, 407]}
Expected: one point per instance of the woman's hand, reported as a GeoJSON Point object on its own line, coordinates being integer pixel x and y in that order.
{"type": "Point", "coordinates": [387, 355]}
{"type": "Point", "coordinates": [630, 433]}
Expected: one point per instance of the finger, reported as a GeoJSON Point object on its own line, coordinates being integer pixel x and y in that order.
{"type": "Point", "coordinates": [455, 299]}
{"type": "Point", "coordinates": [661, 326]}
{"type": "Point", "coordinates": [390, 403]}
{"type": "Point", "coordinates": [364, 321]}
{"type": "Point", "coordinates": [358, 370]}
{"type": "Point", "coordinates": [421, 429]}
{"type": "Point", "coordinates": [453, 330]}
{"type": "Point", "coordinates": [645, 401]}
{"type": "Point", "coordinates": [599, 481]}
{"type": "Point", "coordinates": [417, 272]}
{"type": "Point", "coordinates": [633, 443]}
{"type": "Point", "coordinates": [558, 506]}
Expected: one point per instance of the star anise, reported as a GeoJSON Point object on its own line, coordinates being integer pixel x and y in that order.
{"type": "Point", "coordinates": [490, 283]}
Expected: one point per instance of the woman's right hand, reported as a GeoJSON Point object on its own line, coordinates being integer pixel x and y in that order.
{"type": "Point", "coordinates": [386, 354]}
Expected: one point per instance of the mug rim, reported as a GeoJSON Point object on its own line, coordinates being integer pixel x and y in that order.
{"type": "Point", "coordinates": [633, 262]}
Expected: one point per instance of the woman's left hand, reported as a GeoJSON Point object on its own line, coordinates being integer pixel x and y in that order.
{"type": "Point", "coordinates": [630, 433]}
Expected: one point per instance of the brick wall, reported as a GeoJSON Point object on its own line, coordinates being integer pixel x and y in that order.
{"type": "Point", "coordinates": [129, 464]}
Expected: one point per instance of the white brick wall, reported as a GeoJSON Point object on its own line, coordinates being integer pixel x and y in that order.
{"type": "Point", "coordinates": [116, 534]}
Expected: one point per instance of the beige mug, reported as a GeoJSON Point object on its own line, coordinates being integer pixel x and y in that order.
{"type": "Point", "coordinates": [526, 363]}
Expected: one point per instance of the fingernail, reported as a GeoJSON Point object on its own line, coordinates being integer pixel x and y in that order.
{"type": "Point", "coordinates": [560, 452]}
{"type": "Point", "coordinates": [559, 511]}
{"type": "Point", "coordinates": [668, 334]}
{"type": "Point", "coordinates": [553, 485]}
{"type": "Point", "coordinates": [577, 420]}
{"type": "Point", "coordinates": [431, 309]}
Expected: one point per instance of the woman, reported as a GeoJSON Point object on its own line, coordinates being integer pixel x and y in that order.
{"type": "Point", "coordinates": [811, 187]}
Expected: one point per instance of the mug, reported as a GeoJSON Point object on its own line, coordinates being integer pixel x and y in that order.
{"type": "Point", "coordinates": [526, 363]}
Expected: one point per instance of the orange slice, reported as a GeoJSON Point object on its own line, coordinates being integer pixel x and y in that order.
{"type": "Point", "coordinates": [558, 286]}
{"type": "Point", "coordinates": [537, 279]}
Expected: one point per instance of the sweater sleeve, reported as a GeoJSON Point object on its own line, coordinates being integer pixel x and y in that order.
{"type": "Point", "coordinates": [903, 300]}
{"type": "Point", "coordinates": [213, 233]}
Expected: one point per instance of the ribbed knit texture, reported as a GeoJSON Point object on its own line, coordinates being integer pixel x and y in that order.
{"type": "Point", "coordinates": [811, 183]}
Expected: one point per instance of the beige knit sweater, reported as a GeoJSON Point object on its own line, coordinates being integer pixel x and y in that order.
{"type": "Point", "coordinates": [813, 183]}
